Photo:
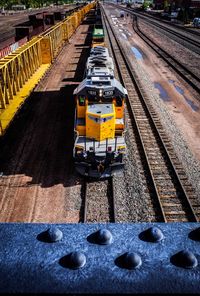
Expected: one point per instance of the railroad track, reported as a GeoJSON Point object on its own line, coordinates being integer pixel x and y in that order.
{"type": "Point", "coordinates": [155, 22]}
{"type": "Point", "coordinates": [175, 196]}
{"type": "Point", "coordinates": [188, 42]}
{"type": "Point", "coordinates": [190, 77]}
{"type": "Point", "coordinates": [187, 74]}
{"type": "Point", "coordinates": [6, 36]}
{"type": "Point", "coordinates": [99, 202]}
{"type": "Point", "coordinates": [184, 29]}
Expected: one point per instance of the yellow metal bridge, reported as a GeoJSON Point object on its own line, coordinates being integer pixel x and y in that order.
{"type": "Point", "coordinates": [21, 70]}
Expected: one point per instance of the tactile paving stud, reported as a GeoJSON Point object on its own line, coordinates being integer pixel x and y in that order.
{"type": "Point", "coordinates": [185, 259]}
{"type": "Point", "coordinates": [73, 260]}
{"type": "Point", "coordinates": [101, 237]}
{"type": "Point", "coordinates": [129, 260]}
{"type": "Point", "coordinates": [104, 237]}
{"type": "Point", "coordinates": [152, 234]}
{"type": "Point", "coordinates": [195, 234]}
{"type": "Point", "coordinates": [54, 234]}
{"type": "Point", "coordinates": [77, 260]}
{"type": "Point", "coordinates": [132, 260]}
{"type": "Point", "coordinates": [51, 235]}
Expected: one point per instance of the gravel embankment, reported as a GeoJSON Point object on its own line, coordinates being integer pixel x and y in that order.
{"type": "Point", "coordinates": [185, 56]}
{"type": "Point", "coordinates": [190, 164]}
{"type": "Point", "coordinates": [133, 202]}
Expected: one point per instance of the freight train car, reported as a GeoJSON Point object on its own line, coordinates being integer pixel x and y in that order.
{"type": "Point", "coordinates": [99, 120]}
{"type": "Point", "coordinates": [98, 32]}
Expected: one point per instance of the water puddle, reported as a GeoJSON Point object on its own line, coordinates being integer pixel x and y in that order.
{"type": "Point", "coordinates": [192, 104]}
{"type": "Point", "coordinates": [179, 90]}
{"type": "Point", "coordinates": [137, 53]}
{"type": "Point", "coordinates": [171, 81]}
{"type": "Point", "coordinates": [182, 93]}
{"type": "Point", "coordinates": [124, 36]}
{"type": "Point", "coordinates": [163, 93]}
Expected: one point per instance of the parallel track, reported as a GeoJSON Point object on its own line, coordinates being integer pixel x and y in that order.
{"type": "Point", "coordinates": [191, 78]}
{"type": "Point", "coordinates": [175, 196]}
{"type": "Point", "coordinates": [187, 74]}
{"type": "Point", "coordinates": [6, 36]}
{"type": "Point", "coordinates": [99, 202]}
{"type": "Point", "coordinates": [165, 28]}
{"type": "Point", "coordinates": [184, 29]}
{"type": "Point", "coordinates": [190, 41]}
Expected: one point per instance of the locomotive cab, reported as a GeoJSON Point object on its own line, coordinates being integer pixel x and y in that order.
{"type": "Point", "coordinates": [99, 118]}
{"type": "Point", "coordinates": [99, 125]}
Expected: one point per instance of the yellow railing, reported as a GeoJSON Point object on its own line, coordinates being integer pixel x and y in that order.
{"type": "Point", "coordinates": [22, 70]}
{"type": "Point", "coordinates": [16, 69]}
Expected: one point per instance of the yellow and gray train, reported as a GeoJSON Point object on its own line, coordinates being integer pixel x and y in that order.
{"type": "Point", "coordinates": [99, 120]}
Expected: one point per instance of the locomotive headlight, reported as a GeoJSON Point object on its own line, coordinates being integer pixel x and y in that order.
{"type": "Point", "coordinates": [79, 150]}
{"type": "Point", "coordinates": [100, 92]}
{"type": "Point", "coordinates": [121, 149]}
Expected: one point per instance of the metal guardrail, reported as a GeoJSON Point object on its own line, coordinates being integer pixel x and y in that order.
{"type": "Point", "coordinates": [21, 70]}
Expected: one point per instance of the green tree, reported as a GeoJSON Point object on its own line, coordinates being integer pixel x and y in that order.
{"type": "Point", "coordinates": [28, 3]}
{"type": "Point", "coordinates": [145, 4]}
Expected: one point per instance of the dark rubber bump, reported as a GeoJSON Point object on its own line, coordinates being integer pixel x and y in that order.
{"type": "Point", "coordinates": [77, 260]}
{"type": "Point", "coordinates": [185, 259]}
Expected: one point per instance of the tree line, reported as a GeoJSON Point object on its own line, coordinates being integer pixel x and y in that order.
{"type": "Point", "coordinates": [7, 4]}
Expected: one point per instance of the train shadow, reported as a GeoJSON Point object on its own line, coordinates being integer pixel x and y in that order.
{"type": "Point", "coordinates": [39, 142]}
{"type": "Point", "coordinates": [83, 50]}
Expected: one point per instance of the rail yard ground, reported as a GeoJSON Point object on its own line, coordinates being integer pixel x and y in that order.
{"type": "Point", "coordinates": [37, 151]}
{"type": "Point", "coordinates": [37, 181]}
{"type": "Point", "coordinates": [9, 20]}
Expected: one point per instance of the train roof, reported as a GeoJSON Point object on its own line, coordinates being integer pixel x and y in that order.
{"type": "Point", "coordinates": [100, 61]}
{"type": "Point", "coordinates": [99, 51]}
{"type": "Point", "coordinates": [99, 57]}
{"type": "Point", "coordinates": [109, 86]}
{"type": "Point", "coordinates": [100, 71]}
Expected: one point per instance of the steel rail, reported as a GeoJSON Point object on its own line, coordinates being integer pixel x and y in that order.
{"type": "Point", "coordinates": [95, 188]}
{"type": "Point", "coordinates": [183, 71]}
{"type": "Point", "coordinates": [179, 35]}
{"type": "Point", "coordinates": [185, 29]}
{"type": "Point", "coordinates": [131, 111]}
{"type": "Point", "coordinates": [112, 193]}
{"type": "Point", "coordinates": [174, 33]}
{"type": "Point", "coordinates": [178, 188]}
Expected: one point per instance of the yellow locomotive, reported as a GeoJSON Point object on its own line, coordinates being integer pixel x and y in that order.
{"type": "Point", "coordinates": [99, 120]}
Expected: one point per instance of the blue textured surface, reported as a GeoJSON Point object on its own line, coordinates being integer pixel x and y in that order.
{"type": "Point", "coordinates": [30, 265]}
